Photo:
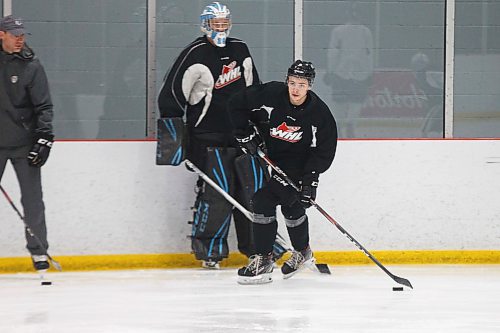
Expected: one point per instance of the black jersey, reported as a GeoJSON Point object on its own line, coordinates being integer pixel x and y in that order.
{"type": "Point", "coordinates": [300, 137]}
{"type": "Point", "coordinates": [202, 79]}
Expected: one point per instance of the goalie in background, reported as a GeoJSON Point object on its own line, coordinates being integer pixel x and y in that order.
{"type": "Point", "coordinates": [196, 88]}
{"type": "Point", "coordinates": [300, 134]}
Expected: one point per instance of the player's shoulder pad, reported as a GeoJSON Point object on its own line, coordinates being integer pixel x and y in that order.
{"type": "Point", "coordinates": [321, 108]}
{"type": "Point", "coordinates": [236, 42]}
{"type": "Point", "coordinates": [197, 43]}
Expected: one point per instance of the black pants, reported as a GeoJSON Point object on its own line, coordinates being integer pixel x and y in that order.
{"type": "Point", "coordinates": [29, 179]}
{"type": "Point", "coordinates": [265, 225]}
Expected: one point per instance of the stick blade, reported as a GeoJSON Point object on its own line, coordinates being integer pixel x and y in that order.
{"type": "Point", "coordinates": [323, 268]}
{"type": "Point", "coordinates": [402, 281]}
{"type": "Point", "coordinates": [56, 265]}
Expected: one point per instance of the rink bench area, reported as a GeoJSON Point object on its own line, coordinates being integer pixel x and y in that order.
{"type": "Point", "coordinates": [181, 260]}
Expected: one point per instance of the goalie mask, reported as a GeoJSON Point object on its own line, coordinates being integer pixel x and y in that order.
{"type": "Point", "coordinates": [302, 69]}
{"type": "Point", "coordinates": [216, 23]}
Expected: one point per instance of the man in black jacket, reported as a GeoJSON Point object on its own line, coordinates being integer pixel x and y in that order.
{"type": "Point", "coordinates": [300, 134]}
{"type": "Point", "coordinates": [26, 134]}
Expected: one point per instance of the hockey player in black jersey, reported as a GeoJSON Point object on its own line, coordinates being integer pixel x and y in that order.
{"type": "Point", "coordinates": [300, 135]}
{"type": "Point", "coordinates": [195, 91]}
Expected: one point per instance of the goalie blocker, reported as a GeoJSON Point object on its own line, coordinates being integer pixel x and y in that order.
{"type": "Point", "coordinates": [171, 136]}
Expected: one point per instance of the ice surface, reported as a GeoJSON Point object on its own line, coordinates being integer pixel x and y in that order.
{"type": "Point", "coordinates": [353, 299]}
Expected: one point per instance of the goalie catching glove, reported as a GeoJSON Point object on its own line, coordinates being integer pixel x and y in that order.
{"type": "Point", "coordinates": [40, 151]}
{"type": "Point", "coordinates": [308, 188]}
{"type": "Point", "coordinates": [249, 141]}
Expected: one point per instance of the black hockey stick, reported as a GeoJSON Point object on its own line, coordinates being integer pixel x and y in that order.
{"type": "Point", "coordinates": [398, 279]}
{"type": "Point", "coordinates": [52, 261]}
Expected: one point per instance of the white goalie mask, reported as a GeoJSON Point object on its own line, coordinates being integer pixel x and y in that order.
{"type": "Point", "coordinates": [216, 11]}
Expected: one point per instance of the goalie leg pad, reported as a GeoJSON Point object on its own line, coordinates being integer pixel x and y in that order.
{"type": "Point", "coordinates": [212, 215]}
{"type": "Point", "coordinates": [251, 177]}
{"type": "Point", "coordinates": [171, 136]}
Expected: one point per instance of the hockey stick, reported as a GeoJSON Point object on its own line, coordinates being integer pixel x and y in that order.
{"type": "Point", "coordinates": [398, 279]}
{"type": "Point", "coordinates": [52, 261]}
{"type": "Point", "coordinates": [216, 187]}
{"type": "Point", "coordinates": [322, 268]}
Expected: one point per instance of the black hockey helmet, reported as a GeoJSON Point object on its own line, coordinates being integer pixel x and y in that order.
{"type": "Point", "coordinates": [303, 69]}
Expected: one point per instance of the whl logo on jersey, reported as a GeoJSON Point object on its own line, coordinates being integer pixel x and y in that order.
{"type": "Point", "coordinates": [230, 73]}
{"type": "Point", "coordinates": [287, 133]}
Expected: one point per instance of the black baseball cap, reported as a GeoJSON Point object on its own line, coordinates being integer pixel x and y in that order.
{"type": "Point", "coordinates": [13, 25]}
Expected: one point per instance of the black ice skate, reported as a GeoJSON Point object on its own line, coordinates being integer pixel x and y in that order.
{"type": "Point", "coordinates": [258, 270]}
{"type": "Point", "coordinates": [297, 261]}
{"type": "Point", "coordinates": [40, 262]}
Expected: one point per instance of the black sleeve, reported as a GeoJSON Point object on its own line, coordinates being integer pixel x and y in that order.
{"type": "Point", "coordinates": [324, 144]}
{"type": "Point", "coordinates": [256, 79]}
{"type": "Point", "coordinates": [171, 100]}
{"type": "Point", "coordinates": [42, 103]}
{"type": "Point", "coordinates": [244, 107]}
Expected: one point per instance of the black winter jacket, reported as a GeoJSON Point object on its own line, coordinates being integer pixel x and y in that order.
{"type": "Point", "coordinates": [26, 109]}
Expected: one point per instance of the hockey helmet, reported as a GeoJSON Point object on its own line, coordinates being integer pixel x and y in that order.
{"type": "Point", "coordinates": [302, 69]}
{"type": "Point", "coordinates": [214, 11]}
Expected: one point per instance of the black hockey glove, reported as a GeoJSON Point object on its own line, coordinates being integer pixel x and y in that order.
{"type": "Point", "coordinates": [249, 141]}
{"type": "Point", "coordinates": [40, 151]}
{"type": "Point", "coordinates": [308, 189]}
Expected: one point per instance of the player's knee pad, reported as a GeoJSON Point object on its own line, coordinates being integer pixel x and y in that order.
{"type": "Point", "coordinates": [294, 215]}
{"type": "Point", "coordinates": [212, 213]}
{"type": "Point", "coordinates": [262, 219]}
{"type": "Point", "coordinates": [264, 202]}
{"type": "Point", "coordinates": [292, 223]}
{"type": "Point", "coordinates": [170, 148]}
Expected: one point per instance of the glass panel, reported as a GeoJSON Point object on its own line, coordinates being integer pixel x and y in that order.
{"type": "Point", "coordinates": [267, 29]}
{"type": "Point", "coordinates": [94, 53]}
{"type": "Point", "coordinates": [379, 65]}
{"type": "Point", "coordinates": [477, 69]}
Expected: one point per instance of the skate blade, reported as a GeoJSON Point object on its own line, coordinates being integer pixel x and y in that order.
{"type": "Point", "coordinates": [259, 279]}
{"type": "Point", "coordinates": [308, 263]}
{"type": "Point", "coordinates": [41, 273]}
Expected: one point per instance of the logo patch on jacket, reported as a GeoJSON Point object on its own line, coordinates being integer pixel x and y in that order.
{"type": "Point", "coordinates": [14, 78]}
{"type": "Point", "coordinates": [230, 73]}
{"type": "Point", "coordinates": [286, 133]}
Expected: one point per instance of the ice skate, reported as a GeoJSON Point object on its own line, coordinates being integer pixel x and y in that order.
{"type": "Point", "coordinates": [40, 263]}
{"type": "Point", "coordinates": [258, 271]}
{"type": "Point", "coordinates": [297, 261]}
{"type": "Point", "coordinates": [210, 264]}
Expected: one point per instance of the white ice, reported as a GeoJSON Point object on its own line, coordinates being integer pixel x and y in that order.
{"type": "Point", "coordinates": [353, 299]}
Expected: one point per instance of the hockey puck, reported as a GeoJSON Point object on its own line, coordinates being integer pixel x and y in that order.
{"type": "Point", "coordinates": [46, 283]}
{"type": "Point", "coordinates": [397, 288]}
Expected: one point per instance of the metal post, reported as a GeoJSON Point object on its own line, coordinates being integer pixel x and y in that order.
{"type": "Point", "coordinates": [7, 7]}
{"type": "Point", "coordinates": [298, 19]}
{"type": "Point", "coordinates": [449, 68]}
{"type": "Point", "coordinates": [151, 71]}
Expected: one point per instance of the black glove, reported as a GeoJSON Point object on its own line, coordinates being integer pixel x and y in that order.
{"type": "Point", "coordinates": [40, 151]}
{"type": "Point", "coordinates": [308, 189]}
{"type": "Point", "coordinates": [249, 141]}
